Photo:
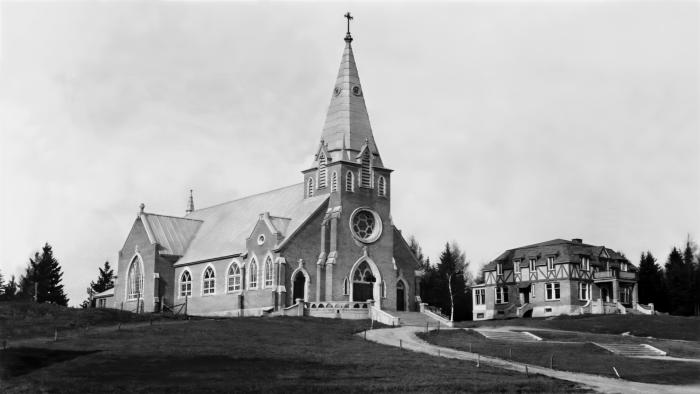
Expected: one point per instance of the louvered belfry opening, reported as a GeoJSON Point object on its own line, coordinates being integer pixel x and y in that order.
{"type": "Point", "coordinates": [322, 171]}
{"type": "Point", "coordinates": [366, 170]}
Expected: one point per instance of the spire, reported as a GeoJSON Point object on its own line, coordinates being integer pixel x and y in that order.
{"type": "Point", "coordinates": [190, 203]}
{"type": "Point", "coordinates": [347, 122]}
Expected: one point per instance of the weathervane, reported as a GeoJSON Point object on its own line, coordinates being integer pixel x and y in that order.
{"type": "Point", "coordinates": [348, 37]}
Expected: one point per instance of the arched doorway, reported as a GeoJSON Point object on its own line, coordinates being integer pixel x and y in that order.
{"type": "Point", "coordinates": [363, 283]}
{"type": "Point", "coordinates": [299, 287]}
{"type": "Point", "coordinates": [400, 296]}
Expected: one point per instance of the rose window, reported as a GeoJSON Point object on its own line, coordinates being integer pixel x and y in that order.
{"type": "Point", "coordinates": [366, 225]}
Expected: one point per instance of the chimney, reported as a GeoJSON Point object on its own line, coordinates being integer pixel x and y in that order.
{"type": "Point", "coordinates": [190, 204]}
{"type": "Point", "coordinates": [577, 240]}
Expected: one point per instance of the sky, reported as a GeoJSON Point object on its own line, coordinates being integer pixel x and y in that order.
{"type": "Point", "coordinates": [506, 123]}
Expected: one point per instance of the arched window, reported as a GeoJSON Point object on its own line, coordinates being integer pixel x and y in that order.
{"type": "Point", "coordinates": [383, 289]}
{"type": "Point", "coordinates": [310, 187]}
{"type": "Point", "coordinates": [185, 284]}
{"type": "Point", "coordinates": [366, 170]}
{"type": "Point", "coordinates": [363, 273]}
{"type": "Point", "coordinates": [322, 170]}
{"type": "Point", "coordinates": [209, 282]}
{"type": "Point", "coordinates": [349, 182]}
{"type": "Point", "coordinates": [234, 277]}
{"type": "Point", "coordinates": [253, 278]}
{"type": "Point", "coordinates": [334, 182]}
{"type": "Point", "coordinates": [268, 272]}
{"type": "Point", "coordinates": [345, 286]}
{"type": "Point", "coordinates": [135, 280]}
{"type": "Point", "coordinates": [382, 186]}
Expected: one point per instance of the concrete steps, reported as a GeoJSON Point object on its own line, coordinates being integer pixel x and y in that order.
{"type": "Point", "coordinates": [415, 319]}
{"type": "Point", "coordinates": [502, 335]}
{"type": "Point", "coordinates": [631, 349]}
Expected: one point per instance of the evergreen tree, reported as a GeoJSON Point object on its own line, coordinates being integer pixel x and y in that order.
{"type": "Point", "coordinates": [445, 285]}
{"type": "Point", "coordinates": [2, 284]}
{"type": "Point", "coordinates": [42, 279]}
{"type": "Point", "coordinates": [105, 281]}
{"type": "Point", "coordinates": [690, 267]}
{"type": "Point", "coordinates": [651, 289]}
{"type": "Point", "coordinates": [417, 252]}
{"type": "Point", "coordinates": [678, 284]}
{"type": "Point", "coordinates": [10, 289]}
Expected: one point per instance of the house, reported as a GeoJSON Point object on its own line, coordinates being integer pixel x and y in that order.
{"type": "Point", "coordinates": [327, 245]}
{"type": "Point", "coordinates": [556, 277]}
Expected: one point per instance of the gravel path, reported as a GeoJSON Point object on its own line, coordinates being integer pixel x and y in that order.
{"type": "Point", "coordinates": [406, 337]}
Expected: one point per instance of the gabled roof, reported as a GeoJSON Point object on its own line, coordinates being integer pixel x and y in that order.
{"type": "Point", "coordinates": [173, 234]}
{"type": "Point", "coordinates": [562, 249]}
{"type": "Point", "coordinates": [106, 293]}
{"type": "Point", "coordinates": [347, 124]}
{"type": "Point", "coordinates": [226, 226]}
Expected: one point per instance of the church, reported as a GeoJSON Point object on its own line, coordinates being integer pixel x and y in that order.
{"type": "Point", "coordinates": [326, 246]}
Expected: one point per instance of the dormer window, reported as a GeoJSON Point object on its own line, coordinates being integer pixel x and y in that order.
{"type": "Point", "coordinates": [366, 170]}
{"type": "Point", "coordinates": [532, 265]}
{"type": "Point", "coordinates": [550, 263]}
{"type": "Point", "coordinates": [623, 266]}
{"type": "Point", "coordinates": [499, 269]}
{"type": "Point", "coordinates": [585, 264]}
{"type": "Point", "coordinates": [322, 170]}
{"type": "Point", "coordinates": [349, 182]}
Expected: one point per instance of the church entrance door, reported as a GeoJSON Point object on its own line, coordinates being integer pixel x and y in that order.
{"type": "Point", "coordinates": [400, 296]}
{"type": "Point", "coordinates": [363, 283]}
{"type": "Point", "coordinates": [299, 287]}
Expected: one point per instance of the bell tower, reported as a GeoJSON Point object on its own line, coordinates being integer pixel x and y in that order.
{"type": "Point", "coordinates": [356, 233]}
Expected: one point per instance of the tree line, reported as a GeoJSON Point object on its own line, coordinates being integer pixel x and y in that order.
{"type": "Point", "coordinates": [674, 287]}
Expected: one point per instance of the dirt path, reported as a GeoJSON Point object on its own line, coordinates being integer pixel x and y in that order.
{"type": "Point", "coordinates": [406, 337]}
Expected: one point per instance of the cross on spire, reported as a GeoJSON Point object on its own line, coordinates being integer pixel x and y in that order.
{"type": "Point", "coordinates": [348, 37]}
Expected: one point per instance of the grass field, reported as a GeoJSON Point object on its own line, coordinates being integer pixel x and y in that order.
{"type": "Point", "coordinates": [576, 357]}
{"type": "Point", "coordinates": [248, 354]}
{"type": "Point", "coordinates": [658, 326]}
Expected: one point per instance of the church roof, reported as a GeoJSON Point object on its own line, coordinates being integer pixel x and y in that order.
{"type": "Point", "coordinates": [225, 227]}
{"type": "Point", "coordinates": [347, 124]}
{"type": "Point", "coordinates": [173, 234]}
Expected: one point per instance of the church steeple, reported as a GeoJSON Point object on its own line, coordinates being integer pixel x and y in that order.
{"type": "Point", "coordinates": [347, 124]}
{"type": "Point", "coordinates": [190, 203]}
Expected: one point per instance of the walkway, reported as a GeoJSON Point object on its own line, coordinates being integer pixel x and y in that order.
{"type": "Point", "coordinates": [406, 337]}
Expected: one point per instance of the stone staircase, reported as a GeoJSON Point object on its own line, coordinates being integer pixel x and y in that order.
{"type": "Point", "coordinates": [631, 349]}
{"type": "Point", "coordinates": [503, 335]}
{"type": "Point", "coordinates": [415, 319]}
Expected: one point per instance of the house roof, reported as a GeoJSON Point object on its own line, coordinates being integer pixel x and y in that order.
{"type": "Point", "coordinates": [225, 227]}
{"type": "Point", "coordinates": [347, 126]}
{"type": "Point", "coordinates": [173, 234]}
{"type": "Point", "coordinates": [106, 293]}
{"type": "Point", "coordinates": [561, 249]}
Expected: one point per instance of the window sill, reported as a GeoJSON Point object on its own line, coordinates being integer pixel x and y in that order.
{"type": "Point", "coordinates": [553, 299]}
{"type": "Point", "coordinates": [208, 295]}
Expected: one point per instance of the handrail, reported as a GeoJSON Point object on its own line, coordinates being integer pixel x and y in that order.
{"type": "Point", "coordinates": [436, 314]}
{"type": "Point", "coordinates": [383, 316]}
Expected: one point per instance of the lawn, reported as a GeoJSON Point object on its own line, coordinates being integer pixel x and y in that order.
{"type": "Point", "coordinates": [27, 319]}
{"type": "Point", "coordinates": [281, 354]}
{"type": "Point", "coordinates": [658, 326]}
{"type": "Point", "coordinates": [576, 357]}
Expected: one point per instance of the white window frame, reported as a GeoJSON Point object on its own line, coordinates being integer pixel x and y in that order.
{"type": "Point", "coordinates": [187, 291]}
{"type": "Point", "coordinates": [501, 293]}
{"type": "Point", "coordinates": [499, 269]}
{"type": "Point", "coordinates": [533, 265]}
{"type": "Point", "coordinates": [584, 287]}
{"type": "Point", "coordinates": [268, 273]}
{"type": "Point", "coordinates": [480, 296]}
{"type": "Point", "coordinates": [253, 274]}
{"type": "Point", "coordinates": [623, 267]}
{"type": "Point", "coordinates": [208, 290]}
{"type": "Point", "coordinates": [134, 287]}
{"type": "Point", "coordinates": [334, 181]}
{"type": "Point", "coordinates": [234, 278]}
{"type": "Point", "coordinates": [552, 291]}
{"type": "Point", "coordinates": [550, 264]}
{"type": "Point", "coordinates": [381, 186]}
{"type": "Point", "coordinates": [533, 287]}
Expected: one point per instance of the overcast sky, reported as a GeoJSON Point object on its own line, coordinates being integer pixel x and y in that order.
{"type": "Point", "coordinates": [506, 124]}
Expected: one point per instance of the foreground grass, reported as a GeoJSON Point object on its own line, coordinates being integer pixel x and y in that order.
{"type": "Point", "coordinates": [20, 320]}
{"type": "Point", "coordinates": [657, 326]}
{"type": "Point", "coordinates": [261, 354]}
{"type": "Point", "coordinates": [575, 357]}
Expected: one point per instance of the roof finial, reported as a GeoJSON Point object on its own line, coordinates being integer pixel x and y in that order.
{"type": "Point", "coordinates": [348, 37]}
{"type": "Point", "coordinates": [190, 203]}
{"type": "Point", "coordinates": [142, 206]}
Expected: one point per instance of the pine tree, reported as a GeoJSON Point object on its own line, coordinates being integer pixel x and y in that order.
{"type": "Point", "coordinates": [417, 252]}
{"type": "Point", "coordinates": [651, 289]}
{"type": "Point", "coordinates": [678, 284]}
{"type": "Point", "coordinates": [105, 281]}
{"type": "Point", "coordinates": [445, 285]}
{"type": "Point", "coordinates": [2, 284]}
{"type": "Point", "coordinates": [42, 279]}
{"type": "Point", "coordinates": [689, 263]}
{"type": "Point", "coordinates": [10, 290]}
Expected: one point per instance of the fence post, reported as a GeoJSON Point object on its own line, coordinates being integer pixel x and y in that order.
{"type": "Point", "coordinates": [616, 373]}
{"type": "Point", "coordinates": [365, 335]}
{"type": "Point", "coordinates": [426, 327]}
{"type": "Point", "coordinates": [470, 347]}
{"type": "Point", "coordinates": [478, 360]}
{"type": "Point", "coordinates": [55, 334]}
{"type": "Point", "coordinates": [551, 361]}
{"type": "Point", "coordinates": [401, 343]}
{"type": "Point", "coordinates": [438, 330]}
{"type": "Point", "coordinates": [526, 371]}
{"type": "Point", "coordinates": [510, 353]}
